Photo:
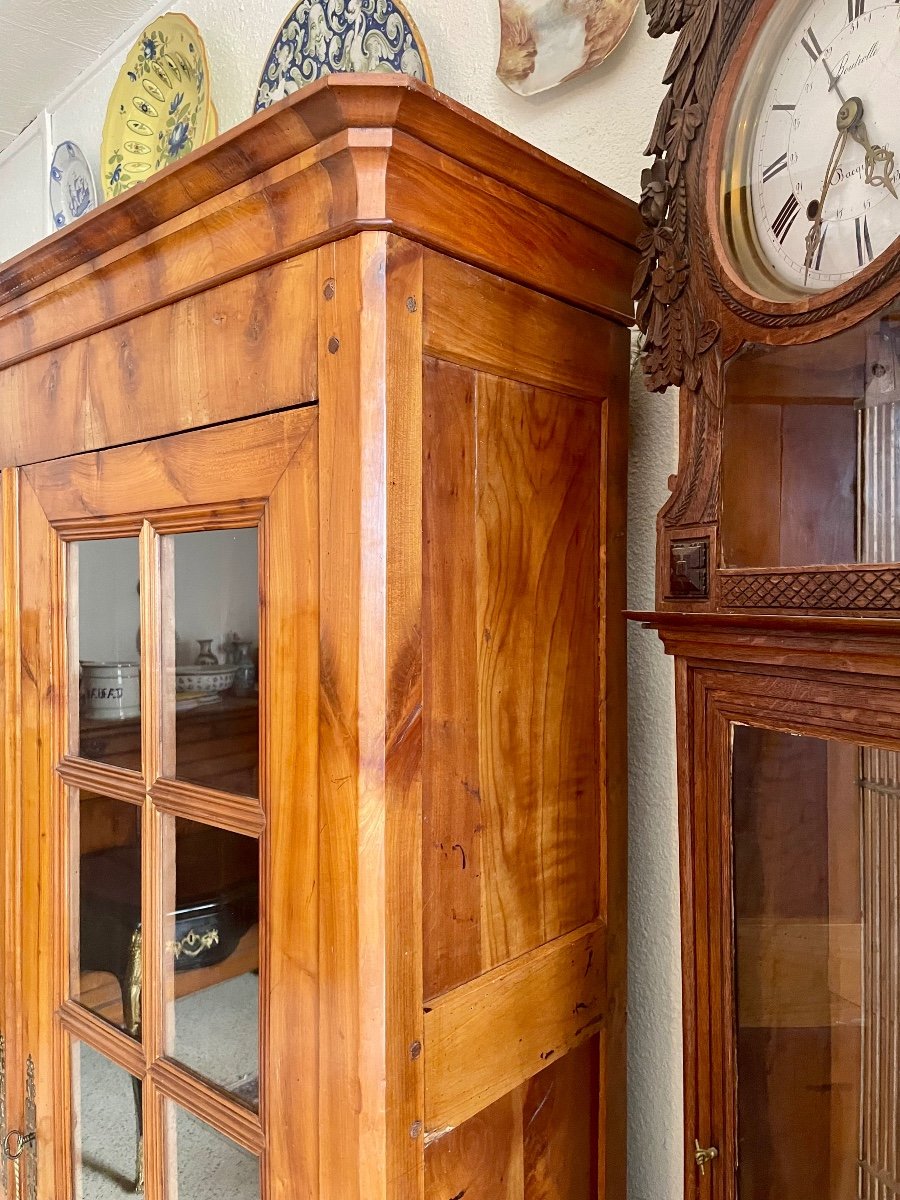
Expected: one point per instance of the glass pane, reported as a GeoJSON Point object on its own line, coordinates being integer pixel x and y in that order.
{"type": "Point", "coordinates": [811, 470]}
{"type": "Point", "coordinates": [210, 1165]}
{"type": "Point", "coordinates": [107, 965]}
{"type": "Point", "coordinates": [214, 941]}
{"type": "Point", "coordinates": [216, 646]}
{"type": "Point", "coordinates": [108, 642]}
{"type": "Point", "coordinates": [106, 1133]}
{"type": "Point", "coordinates": [816, 847]}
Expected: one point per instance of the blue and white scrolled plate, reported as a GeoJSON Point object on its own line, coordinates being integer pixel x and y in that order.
{"type": "Point", "coordinates": [72, 188]}
{"type": "Point", "coordinates": [321, 37]}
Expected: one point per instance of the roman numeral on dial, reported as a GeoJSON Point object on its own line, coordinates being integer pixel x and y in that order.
{"type": "Point", "coordinates": [864, 252]}
{"type": "Point", "coordinates": [773, 168]}
{"type": "Point", "coordinates": [855, 8]}
{"type": "Point", "coordinates": [810, 44]}
{"type": "Point", "coordinates": [781, 226]}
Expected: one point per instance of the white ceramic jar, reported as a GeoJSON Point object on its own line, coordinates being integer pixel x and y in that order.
{"type": "Point", "coordinates": [110, 690]}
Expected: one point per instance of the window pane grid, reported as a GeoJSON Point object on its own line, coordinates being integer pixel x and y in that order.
{"type": "Point", "coordinates": [235, 812]}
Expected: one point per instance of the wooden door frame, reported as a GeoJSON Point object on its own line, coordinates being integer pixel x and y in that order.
{"type": "Point", "coordinates": [713, 695]}
{"type": "Point", "coordinates": [258, 472]}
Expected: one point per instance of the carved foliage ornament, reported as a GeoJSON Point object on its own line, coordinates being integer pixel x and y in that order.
{"type": "Point", "coordinates": [676, 335]}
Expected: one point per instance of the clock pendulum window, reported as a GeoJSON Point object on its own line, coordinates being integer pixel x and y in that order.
{"type": "Point", "coordinates": [769, 293]}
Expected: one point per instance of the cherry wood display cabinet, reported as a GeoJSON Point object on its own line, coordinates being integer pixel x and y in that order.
{"type": "Point", "coordinates": [348, 387]}
{"type": "Point", "coordinates": [768, 291]}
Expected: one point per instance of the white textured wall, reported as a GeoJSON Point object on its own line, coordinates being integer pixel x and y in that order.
{"type": "Point", "coordinates": [599, 123]}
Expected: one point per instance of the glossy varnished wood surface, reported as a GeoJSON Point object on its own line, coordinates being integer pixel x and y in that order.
{"type": "Point", "coordinates": [813, 678]}
{"type": "Point", "coordinates": [235, 351]}
{"type": "Point", "coordinates": [341, 156]}
{"type": "Point", "coordinates": [299, 124]}
{"type": "Point", "coordinates": [429, 430]}
{"type": "Point", "coordinates": [175, 480]}
{"type": "Point", "coordinates": [555, 999]}
{"type": "Point", "coordinates": [512, 813]}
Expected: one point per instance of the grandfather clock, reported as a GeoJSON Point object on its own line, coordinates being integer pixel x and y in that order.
{"type": "Point", "coordinates": [769, 293]}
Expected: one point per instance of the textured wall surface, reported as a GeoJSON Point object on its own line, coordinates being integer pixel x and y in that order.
{"type": "Point", "coordinates": [599, 123]}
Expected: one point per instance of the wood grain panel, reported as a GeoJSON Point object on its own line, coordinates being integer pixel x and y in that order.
{"type": "Point", "coordinates": [345, 1098]}
{"type": "Point", "coordinates": [487, 1037]}
{"type": "Point", "coordinates": [482, 1159]}
{"type": "Point", "coordinates": [751, 517]}
{"type": "Point", "coordinates": [517, 333]}
{"type": "Point", "coordinates": [537, 556]}
{"type": "Point", "coordinates": [173, 473]}
{"type": "Point", "coordinates": [42, 975]}
{"type": "Point", "coordinates": [290, 844]}
{"type": "Point", "coordinates": [818, 515]}
{"type": "Point", "coordinates": [512, 821]}
{"type": "Point", "coordinates": [248, 230]}
{"type": "Point", "coordinates": [425, 190]}
{"type": "Point", "coordinates": [245, 348]}
{"type": "Point", "coordinates": [559, 1118]}
{"type": "Point", "coordinates": [370, 699]}
{"type": "Point", "coordinates": [613, 733]}
{"type": "Point", "coordinates": [405, 1078]}
{"type": "Point", "coordinates": [536, 1143]}
{"type": "Point", "coordinates": [453, 827]}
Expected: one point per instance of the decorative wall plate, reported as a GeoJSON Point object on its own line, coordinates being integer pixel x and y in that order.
{"type": "Point", "coordinates": [212, 123]}
{"type": "Point", "coordinates": [545, 42]}
{"type": "Point", "coordinates": [159, 109]}
{"type": "Point", "coordinates": [341, 35]}
{"type": "Point", "coordinates": [72, 188]}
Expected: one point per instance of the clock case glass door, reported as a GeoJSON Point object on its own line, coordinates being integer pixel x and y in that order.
{"type": "Point", "coordinates": [791, 867]}
{"type": "Point", "coordinates": [810, 464]}
{"type": "Point", "coordinates": [148, 913]}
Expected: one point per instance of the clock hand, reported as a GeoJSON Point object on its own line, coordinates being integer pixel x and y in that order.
{"type": "Point", "coordinates": [833, 81]}
{"type": "Point", "coordinates": [848, 116]}
{"type": "Point", "coordinates": [876, 157]}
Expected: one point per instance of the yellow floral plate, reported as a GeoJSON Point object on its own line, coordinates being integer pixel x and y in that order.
{"type": "Point", "coordinates": [160, 108]}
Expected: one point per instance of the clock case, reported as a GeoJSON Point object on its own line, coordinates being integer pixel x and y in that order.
{"type": "Point", "coordinates": [696, 314]}
{"type": "Point", "coordinates": [796, 652]}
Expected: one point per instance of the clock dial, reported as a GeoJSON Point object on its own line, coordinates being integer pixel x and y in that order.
{"type": "Point", "coordinates": [812, 181]}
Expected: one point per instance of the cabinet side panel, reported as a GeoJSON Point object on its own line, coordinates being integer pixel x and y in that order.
{"type": "Point", "coordinates": [537, 497]}
{"type": "Point", "coordinates": [512, 806]}
{"type": "Point", "coordinates": [536, 1143]}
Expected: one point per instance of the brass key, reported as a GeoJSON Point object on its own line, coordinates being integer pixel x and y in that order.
{"type": "Point", "coordinates": [13, 1145]}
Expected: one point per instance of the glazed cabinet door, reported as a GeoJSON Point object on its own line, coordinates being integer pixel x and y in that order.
{"type": "Point", "coordinates": [792, 947]}
{"type": "Point", "coordinates": [161, 675]}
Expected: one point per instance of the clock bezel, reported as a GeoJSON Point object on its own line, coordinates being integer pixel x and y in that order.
{"type": "Point", "coordinates": [845, 303]}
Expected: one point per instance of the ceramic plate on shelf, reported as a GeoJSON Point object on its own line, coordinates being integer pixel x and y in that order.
{"type": "Point", "coordinates": [212, 123]}
{"type": "Point", "coordinates": [341, 35]}
{"type": "Point", "coordinates": [160, 108]}
{"type": "Point", "coordinates": [72, 188]}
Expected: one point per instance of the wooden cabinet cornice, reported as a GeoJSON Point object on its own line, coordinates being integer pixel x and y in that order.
{"type": "Point", "coordinates": [388, 344]}
{"type": "Point", "coordinates": [346, 154]}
